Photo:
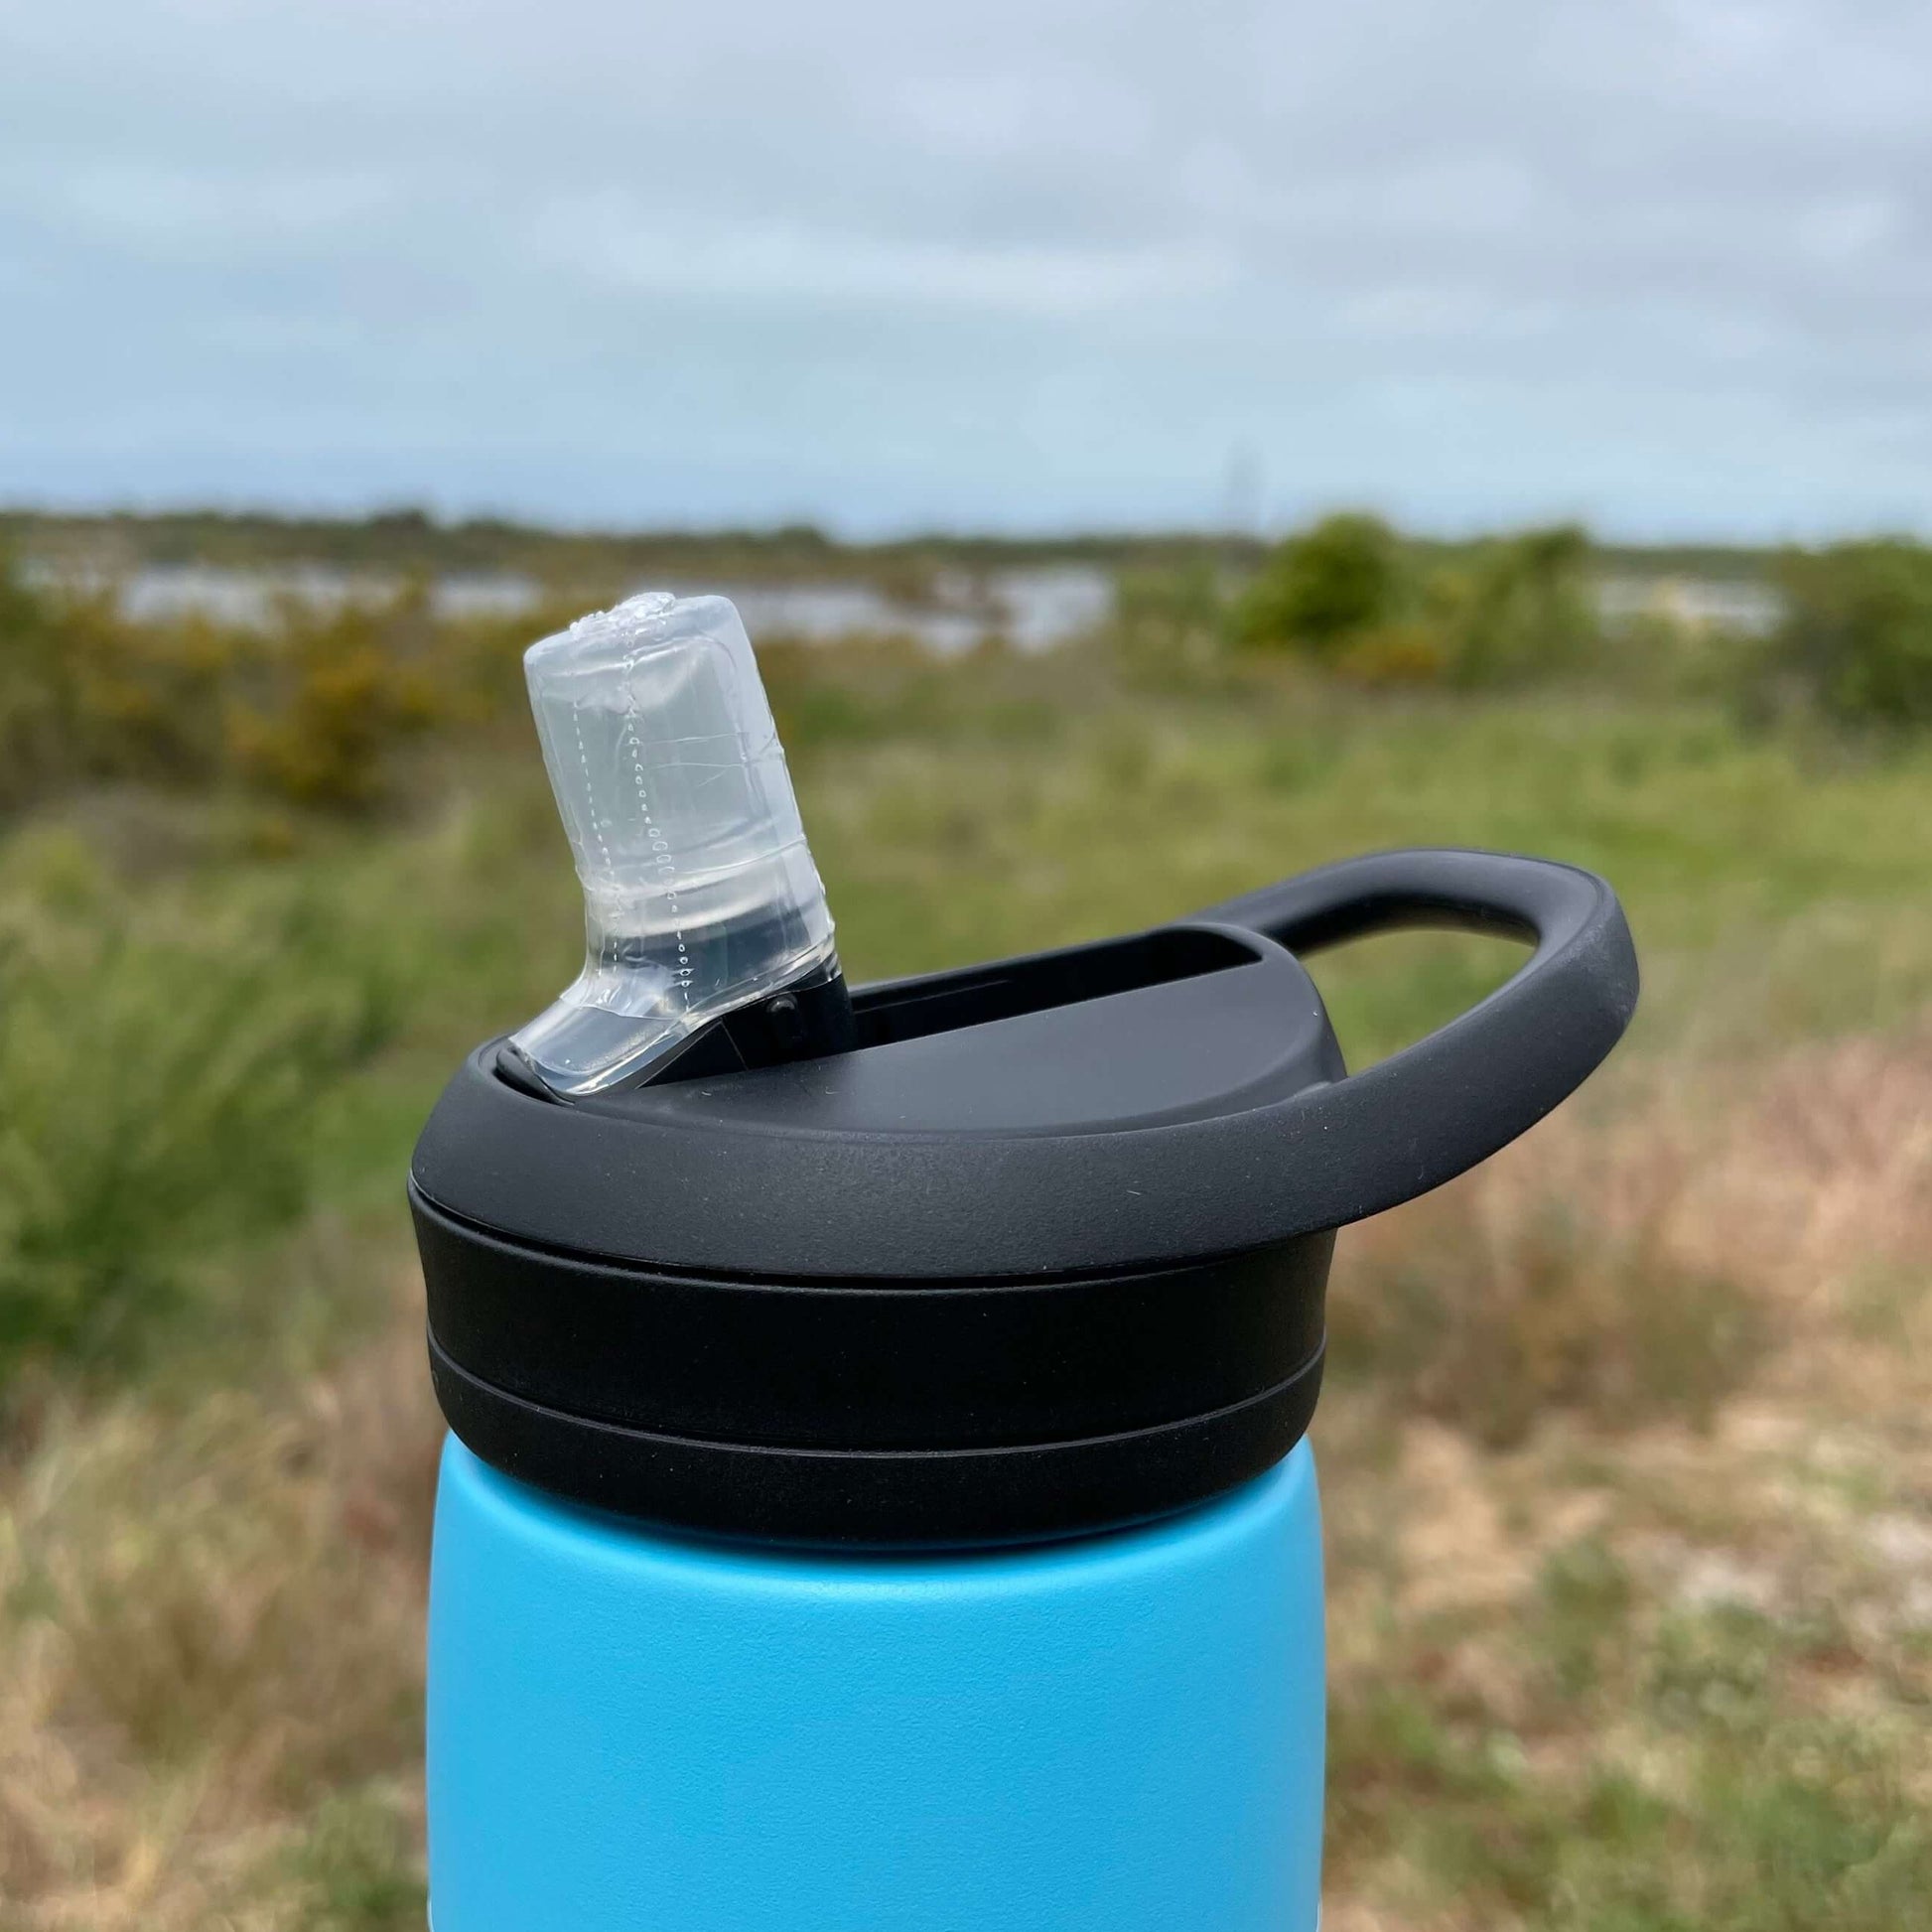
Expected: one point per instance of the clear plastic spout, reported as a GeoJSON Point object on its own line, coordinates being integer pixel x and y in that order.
{"type": "Point", "coordinates": [700, 893]}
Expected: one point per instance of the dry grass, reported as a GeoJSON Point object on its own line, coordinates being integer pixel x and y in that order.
{"type": "Point", "coordinates": [1631, 1600]}
{"type": "Point", "coordinates": [212, 1635]}
{"type": "Point", "coordinates": [1726, 1218]}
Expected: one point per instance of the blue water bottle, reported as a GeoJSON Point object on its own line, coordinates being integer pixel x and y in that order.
{"type": "Point", "coordinates": [877, 1497]}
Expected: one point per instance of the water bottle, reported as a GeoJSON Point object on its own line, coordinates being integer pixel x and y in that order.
{"type": "Point", "coordinates": [877, 1496]}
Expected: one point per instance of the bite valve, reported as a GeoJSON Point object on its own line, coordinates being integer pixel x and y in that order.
{"type": "Point", "coordinates": [703, 913]}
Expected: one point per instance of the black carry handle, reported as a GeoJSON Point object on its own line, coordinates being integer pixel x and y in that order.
{"type": "Point", "coordinates": [1436, 1108]}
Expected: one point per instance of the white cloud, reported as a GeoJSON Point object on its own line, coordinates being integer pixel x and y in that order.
{"type": "Point", "coordinates": [605, 238]}
{"type": "Point", "coordinates": [1667, 263]}
{"type": "Point", "coordinates": [162, 211]}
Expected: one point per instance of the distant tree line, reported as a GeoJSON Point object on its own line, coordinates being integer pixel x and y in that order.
{"type": "Point", "coordinates": [318, 712]}
{"type": "Point", "coordinates": [414, 541]}
{"type": "Point", "coordinates": [1351, 595]}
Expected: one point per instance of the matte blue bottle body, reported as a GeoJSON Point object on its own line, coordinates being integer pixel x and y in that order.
{"type": "Point", "coordinates": [632, 1732]}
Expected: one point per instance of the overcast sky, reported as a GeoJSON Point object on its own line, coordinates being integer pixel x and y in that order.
{"type": "Point", "coordinates": [1663, 264]}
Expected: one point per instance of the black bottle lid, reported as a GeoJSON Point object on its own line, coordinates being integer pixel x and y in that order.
{"type": "Point", "coordinates": [1042, 1252]}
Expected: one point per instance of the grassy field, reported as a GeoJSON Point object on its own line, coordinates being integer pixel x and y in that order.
{"type": "Point", "coordinates": [1628, 1443]}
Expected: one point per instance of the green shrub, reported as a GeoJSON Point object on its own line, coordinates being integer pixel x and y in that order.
{"type": "Point", "coordinates": [159, 1092]}
{"type": "Point", "coordinates": [84, 695]}
{"type": "Point", "coordinates": [1858, 633]}
{"type": "Point", "coordinates": [1410, 652]}
{"type": "Point", "coordinates": [37, 697]}
{"type": "Point", "coordinates": [1327, 586]}
{"type": "Point", "coordinates": [1349, 593]}
{"type": "Point", "coordinates": [316, 715]}
{"type": "Point", "coordinates": [1515, 609]}
{"type": "Point", "coordinates": [342, 692]}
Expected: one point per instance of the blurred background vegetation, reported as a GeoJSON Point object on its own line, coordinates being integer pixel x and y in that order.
{"type": "Point", "coordinates": [1628, 1449]}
